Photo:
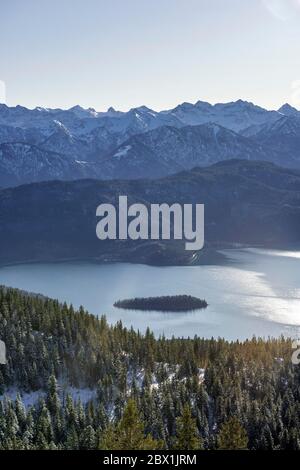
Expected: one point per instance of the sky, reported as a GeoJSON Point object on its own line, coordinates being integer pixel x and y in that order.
{"type": "Point", "coordinates": [159, 53]}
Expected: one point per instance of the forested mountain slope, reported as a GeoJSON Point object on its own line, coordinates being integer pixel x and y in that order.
{"type": "Point", "coordinates": [50, 346]}
{"type": "Point", "coordinates": [245, 202]}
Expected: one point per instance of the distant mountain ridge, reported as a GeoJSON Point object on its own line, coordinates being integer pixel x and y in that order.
{"type": "Point", "coordinates": [245, 202]}
{"type": "Point", "coordinates": [77, 143]}
{"type": "Point", "coordinates": [182, 148]}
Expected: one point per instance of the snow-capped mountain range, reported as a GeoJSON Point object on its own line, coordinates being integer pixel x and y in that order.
{"type": "Point", "coordinates": [43, 144]}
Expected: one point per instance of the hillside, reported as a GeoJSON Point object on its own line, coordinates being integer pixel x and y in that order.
{"type": "Point", "coordinates": [51, 347]}
{"type": "Point", "coordinates": [245, 202]}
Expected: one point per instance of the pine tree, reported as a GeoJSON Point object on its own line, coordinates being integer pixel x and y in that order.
{"type": "Point", "coordinates": [52, 399]}
{"type": "Point", "coordinates": [187, 435]}
{"type": "Point", "coordinates": [108, 439]}
{"type": "Point", "coordinates": [20, 412]}
{"type": "Point", "coordinates": [129, 432]}
{"type": "Point", "coordinates": [267, 442]}
{"type": "Point", "coordinates": [232, 435]}
{"type": "Point", "coordinates": [88, 439]}
{"type": "Point", "coordinates": [72, 441]}
{"type": "Point", "coordinates": [44, 426]}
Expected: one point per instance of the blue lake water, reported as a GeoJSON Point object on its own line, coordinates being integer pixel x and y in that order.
{"type": "Point", "coordinates": [257, 292]}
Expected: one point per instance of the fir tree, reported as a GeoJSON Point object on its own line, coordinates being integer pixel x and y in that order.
{"type": "Point", "coordinates": [187, 435]}
{"type": "Point", "coordinates": [88, 439]}
{"type": "Point", "coordinates": [232, 435]}
{"type": "Point", "coordinates": [129, 432]}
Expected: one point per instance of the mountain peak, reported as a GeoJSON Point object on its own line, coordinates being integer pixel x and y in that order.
{"type": "Point", "coordinates": [203, 104]}
{"type": "Point", "coordinates": [185, 106]}
{"type": "Point", "coordinates": [142, 109]}
{"type": "Point", "coordinates": [77, 107]}
{"type": "Point", "coordinates": [81, 112]}
{"type": "Point", "coordinates": [241, 104]}
{"type": "Point", "coordinates": [288, 110]}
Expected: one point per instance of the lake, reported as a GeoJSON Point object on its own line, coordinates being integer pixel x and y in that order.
{"type": "Point", "coordinates": [257, 292]}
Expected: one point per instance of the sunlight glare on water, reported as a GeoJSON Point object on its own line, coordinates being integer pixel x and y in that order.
{"type": "Point", "coordinates": [256, 293]}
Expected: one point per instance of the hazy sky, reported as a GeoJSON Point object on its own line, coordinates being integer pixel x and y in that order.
{"type": "Point", "coordinates": [124, 53]}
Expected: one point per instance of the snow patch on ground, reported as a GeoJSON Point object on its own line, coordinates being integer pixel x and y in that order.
{"type": "Point", "coordinates": [28, 398]}
{"type": "Point", "coordinates": [154, 385]}
{"type": "Point", "coordinates": [84, 395]}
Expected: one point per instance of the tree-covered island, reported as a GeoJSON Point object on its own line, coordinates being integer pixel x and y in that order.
{"type": "Point", "coordinates": [169, 303]}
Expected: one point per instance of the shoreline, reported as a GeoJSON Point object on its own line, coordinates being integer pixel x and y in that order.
{"type": "Point", "coordinates": [214, 256]}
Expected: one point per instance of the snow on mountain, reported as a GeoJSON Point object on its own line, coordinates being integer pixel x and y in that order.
{"type": "Point", "coordinates": [134, 160]}
{"type": "Point", "coordinates": [23, 163]}
{"type": "Point", "coordinates": [183, 148]}
{"type": "Point", "coordinates": [288, 110]}
{"type": "Point", "coordinates": [235, 116]}
{"type": "Point", "coordinates": [122, 152]}
{"type": "Point", "coordinates": [284, 136]}
{"type": "Point", "coordinates": [64, 142]}
{"type": "Point", "coordinates": [52, 143]}
{"type": "Point", "coordinates": [285, 126]}
{"type": "Point", "coordinates": [17, 134]}
{"type": "Point", "coordinates": [82, 113]}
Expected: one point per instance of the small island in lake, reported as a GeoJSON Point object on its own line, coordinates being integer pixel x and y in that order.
{"type": "Point", "coordinates": [170, 303]}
